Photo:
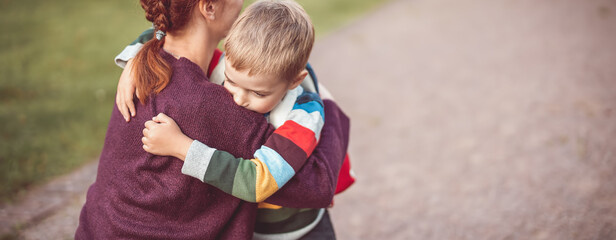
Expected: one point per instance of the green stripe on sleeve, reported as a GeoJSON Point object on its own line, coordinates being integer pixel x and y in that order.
{"type": "Point", "coordinates": [221, 171]}
{"type": "Point", "coordinates": [144, 37]}
{"type": "Point", "coordinates": [245, 177]}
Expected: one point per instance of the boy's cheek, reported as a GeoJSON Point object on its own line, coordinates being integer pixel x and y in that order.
{"type": "Point", "coordinates": [258, 106]}
{"type": "Point", "coordinates": [268, 106]}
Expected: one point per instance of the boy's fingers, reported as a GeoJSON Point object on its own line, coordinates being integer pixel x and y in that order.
{"type": "Point", "coordinates": [145, 132]}
{"type": "Point", "coordinates": [125, 92]}
{"type": "Point", "coordinates": [163, 118]}
{"type": "Point", "coordinates": [122, 107]}
{"type": "Point", "coordinates": [150, 124]}
{"type": "Point", "coordinates": [131, 107]}
{"type": "Point", "coordinates": [127, 97]}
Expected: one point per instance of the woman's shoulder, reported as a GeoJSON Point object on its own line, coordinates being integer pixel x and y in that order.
{"type": "Point", "coordinates": [186, 68]}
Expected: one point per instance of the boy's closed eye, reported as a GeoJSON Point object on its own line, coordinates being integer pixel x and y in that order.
{"type": "Point", "coordinates": [260, 94]}
{"type": "Point", "coordinates": [257, 93]}
{"type": "Point", "coordinates": [229, 82]}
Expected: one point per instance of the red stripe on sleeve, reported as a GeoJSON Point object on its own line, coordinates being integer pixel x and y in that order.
{"type": "Point", "coordinates": [299, 135]}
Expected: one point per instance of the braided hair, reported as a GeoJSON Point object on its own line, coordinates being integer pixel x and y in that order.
{"type": "Point", "coordinates": [152, 72]}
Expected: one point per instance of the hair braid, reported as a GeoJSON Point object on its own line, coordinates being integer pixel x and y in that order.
{"type": "Point", "coordinates": [152, 71]}
{"type": "Point", "coordinates": [161, 21]}
{"type": "Point", "coordinates": [157, 12]}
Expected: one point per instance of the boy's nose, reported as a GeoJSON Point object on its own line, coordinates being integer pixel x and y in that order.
{"type": "Point", "coordinates": [240, 99]}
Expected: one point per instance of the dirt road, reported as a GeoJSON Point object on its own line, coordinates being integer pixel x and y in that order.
{"type": "Point", "coordinates": [478, 119]}
{"type": "Point", "coordinates": [471, 119]}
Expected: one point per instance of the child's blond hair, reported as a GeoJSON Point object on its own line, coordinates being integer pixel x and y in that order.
{"type": "Point", "coordinates": [271, 37]}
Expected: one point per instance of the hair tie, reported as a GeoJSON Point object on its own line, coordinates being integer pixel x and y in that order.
{"type": "Point", "coordinates": [160, 34]}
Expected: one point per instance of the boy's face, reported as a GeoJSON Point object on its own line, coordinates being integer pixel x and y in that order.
{"type": "Point", "coordinates": [259, 93]}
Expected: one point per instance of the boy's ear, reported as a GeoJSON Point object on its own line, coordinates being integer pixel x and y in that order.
{"type": "Point", "coordinates": [207, 9]}
{"type": "Point", "coordinates": [299, 79]}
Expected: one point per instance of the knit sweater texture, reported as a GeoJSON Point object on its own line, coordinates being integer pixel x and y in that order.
{"type": "Point", "coordinates": [142, 196]}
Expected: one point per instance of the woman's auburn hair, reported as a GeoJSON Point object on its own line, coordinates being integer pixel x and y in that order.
{"type": "Point", "coordinates": [152, 73]}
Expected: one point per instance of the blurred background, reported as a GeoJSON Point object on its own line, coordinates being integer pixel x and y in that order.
{"type": "Point", "coordinates": [58, 81]}
{"type": "Point", "coordinates": [471, 119]}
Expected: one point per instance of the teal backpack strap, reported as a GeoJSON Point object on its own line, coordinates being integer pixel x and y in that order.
{"type": "Point", "coordinates": [310, 83]}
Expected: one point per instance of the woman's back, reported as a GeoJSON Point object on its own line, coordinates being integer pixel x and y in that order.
{"type": "Point", "coordinates": [139, 195]}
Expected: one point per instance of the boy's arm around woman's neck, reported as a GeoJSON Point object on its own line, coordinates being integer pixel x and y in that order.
{"type": "Point", "coordinates": [315, 183]}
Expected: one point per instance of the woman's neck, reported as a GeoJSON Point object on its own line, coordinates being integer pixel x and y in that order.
{"type": "Point", "coordinates": [193, 45]}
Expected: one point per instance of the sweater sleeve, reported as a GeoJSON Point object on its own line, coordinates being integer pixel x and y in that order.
{"type": "Point", "coordinates": [133, 48]}
{"type": "Point", "coordinates": [273, 165]}
{"type": "Point", "coordinates": [315, 184]}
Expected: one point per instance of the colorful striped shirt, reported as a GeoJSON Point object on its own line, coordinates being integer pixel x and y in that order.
{"type": "Point", "coordinates": [282, 155]}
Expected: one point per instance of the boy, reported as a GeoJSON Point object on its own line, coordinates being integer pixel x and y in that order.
{"type": "Point", "coordinates": [267, 50]}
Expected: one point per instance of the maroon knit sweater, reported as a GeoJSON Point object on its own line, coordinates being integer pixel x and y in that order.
{"type": "Point", "coordinates": [138, 195]}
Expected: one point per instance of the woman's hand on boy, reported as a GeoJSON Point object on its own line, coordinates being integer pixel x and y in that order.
{"type": "Point", "coordinates": [126, 92]}
{"type": "Point", "coordinates": [162, 136]}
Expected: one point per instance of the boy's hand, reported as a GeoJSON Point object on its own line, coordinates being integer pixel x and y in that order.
{"type": "Point", "coordinates": [162, 136]}
{"type": "Point", "coordinates": [125, 92]}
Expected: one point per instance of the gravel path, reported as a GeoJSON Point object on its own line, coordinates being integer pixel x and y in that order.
{"type": "Point", "coordinates": [471, 119]}
{"type": "Point", "coordinates": [478, 119]}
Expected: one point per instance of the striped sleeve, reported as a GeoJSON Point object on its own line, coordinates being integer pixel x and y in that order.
{"type": "Point", "coordinates": [133, 48]}
{"type": "Point", "coordinates": [277, 161]}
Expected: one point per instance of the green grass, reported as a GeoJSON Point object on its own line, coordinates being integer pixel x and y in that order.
{"type": "Point", "coordinates": [57, 83]}
{"type": "Point", "coordinates": [328, 15]}
{"type": "Point", "coordinates": [58, 79]}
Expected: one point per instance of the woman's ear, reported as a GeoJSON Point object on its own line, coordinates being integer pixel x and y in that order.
{"type": "Point", "coordinates": [208, 9]}
{"type": "Point", "coordinates": [298, 79]}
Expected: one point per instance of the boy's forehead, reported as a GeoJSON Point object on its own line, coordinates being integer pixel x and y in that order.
{"type": "Point", "coordinates": [243, 76]}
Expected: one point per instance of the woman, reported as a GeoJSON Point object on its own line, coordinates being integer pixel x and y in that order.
{"type": "Point", "coordinates": [138, 195]}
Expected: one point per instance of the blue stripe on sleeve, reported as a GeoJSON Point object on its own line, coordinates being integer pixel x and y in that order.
{"type": "Point", "coordinates": [310, 107]}
{"type": "Point", "coordinates": [278, 167]}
